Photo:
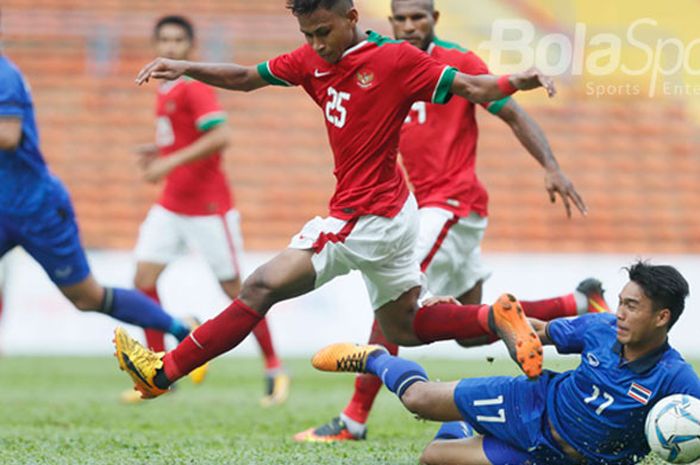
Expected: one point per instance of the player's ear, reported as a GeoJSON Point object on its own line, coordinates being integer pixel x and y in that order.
{"type": "Point", "coordinates": [353, 16]}
{"type": "Point", "coordinates": [436, 16]}
{"type": "Point", "coordinates": [663, 317]}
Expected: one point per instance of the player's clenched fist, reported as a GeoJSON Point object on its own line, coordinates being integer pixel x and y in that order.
{"type": "Point", "coordinates": [162, 68]}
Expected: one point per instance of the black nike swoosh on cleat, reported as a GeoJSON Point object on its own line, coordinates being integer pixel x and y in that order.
{"type": "Point", "coordinates": [130, 365]}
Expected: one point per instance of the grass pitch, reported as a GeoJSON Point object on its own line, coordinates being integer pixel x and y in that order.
{"type": "Point", "coordinates": [67, 411]}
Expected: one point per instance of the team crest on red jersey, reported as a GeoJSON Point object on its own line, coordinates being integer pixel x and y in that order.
{"type": "Point", "coordinates": [365, 79]}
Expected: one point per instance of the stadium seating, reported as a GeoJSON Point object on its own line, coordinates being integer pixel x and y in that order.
{"type": "Point", "coordinates": [635, 161]}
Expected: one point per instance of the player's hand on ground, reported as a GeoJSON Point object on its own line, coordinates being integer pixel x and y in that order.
{"type": "Point", "coordinates": [162, 68]}
{"type": "Point", "coordinates": [157, 169]}
{"type": "Point", "coordinates": [445, 299]}
{"type": "Point", "coordinates": [532, 79]}
{"type": "Point", "coordinates": [557, 183]}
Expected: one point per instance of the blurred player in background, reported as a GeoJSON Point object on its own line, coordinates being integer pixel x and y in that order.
{"type": "Point", "coordinates": [438, 148]}
{"type": "Point", "coordinates": [594, 414]}
{"type": "Point", "coordinates": [36, 214]}
{"type": "Point", "coordinates": [365, 85]}
{"type": "Point", "coordinates": [3, 278]}
{"type": "Point", "coordinates": [196, 207]}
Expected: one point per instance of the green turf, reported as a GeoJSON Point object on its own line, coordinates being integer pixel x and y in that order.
{"type": "Point", "coordinates": [66, 411]}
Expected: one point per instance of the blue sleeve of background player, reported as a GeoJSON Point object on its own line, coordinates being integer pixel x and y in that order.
{"type": "Point", "coordinates": [567, 334]}
{"type": "Point", "coordinates": [11, 92]}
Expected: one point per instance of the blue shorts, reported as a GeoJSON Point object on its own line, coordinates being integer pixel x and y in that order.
{"type": "Point", "coordinates": [50, 235]}
{"type": "Point", "coordinates": [511, 414]}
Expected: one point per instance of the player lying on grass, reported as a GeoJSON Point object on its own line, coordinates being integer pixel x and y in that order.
{"type": "Point", "coordinates": [36, 214]}
{"type": "Point", "coordinates": [438, 147]}
{"type": "Point", "coordinates": [365, 85]}
{"type": "Point", "coordinates": [594, 414]}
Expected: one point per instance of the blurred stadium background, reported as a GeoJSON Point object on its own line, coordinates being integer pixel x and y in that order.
{"type": "Point", "coordinates": [634, 157]}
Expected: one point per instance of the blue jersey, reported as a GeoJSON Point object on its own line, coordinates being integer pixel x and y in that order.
{"type": "Point", "coordinates": [600, 407]}
{"type": "Point", "coordinates": [24, 177]}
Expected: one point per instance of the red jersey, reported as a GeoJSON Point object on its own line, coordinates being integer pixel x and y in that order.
{"type": "Point", "coordinates": [185, 110]}
{"type": "Point", "coordinates": [365, 98]}
{"type": "Point", "coordinates": [438, 143]}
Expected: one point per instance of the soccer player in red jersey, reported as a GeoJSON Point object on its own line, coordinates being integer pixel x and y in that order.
{"type": "Point", "coordinates": [438, 147]}
{"type": "Point", "coordinates": [365, 85]}
{"type": "Point", "coordinates": [196, 206]}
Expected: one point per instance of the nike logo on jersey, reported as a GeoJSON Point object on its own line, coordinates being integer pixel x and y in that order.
{"type": "Point", "coordinates": [63, 272]}
{"type": "Point", "coordinates": [319, 74]}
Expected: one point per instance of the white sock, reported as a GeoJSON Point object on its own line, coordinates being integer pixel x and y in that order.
{"type": "Point", "coordinates": [581, 302]}
{"type": "Point", "coordinates": [355, 427]}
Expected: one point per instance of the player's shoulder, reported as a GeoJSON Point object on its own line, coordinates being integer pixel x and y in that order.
{"type": "Point", "coordinates": [460, 57]}
{"type": "Point", "coordinates": [602, 321]}
{"type": "Point", "coordinates": [9, 72]}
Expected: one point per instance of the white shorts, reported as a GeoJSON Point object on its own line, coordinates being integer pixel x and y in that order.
{"type": "Point", "coordinates": [165, 235]}
{"type": "Point", "coordinates": [382, 249]}
{"type": "Point", "coordinates": [449, 251]}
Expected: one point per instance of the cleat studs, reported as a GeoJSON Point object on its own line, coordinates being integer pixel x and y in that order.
{"type": "Point", "coordinates": [519, 343]}
{"type": "Point", "coordinates": [511, 297]}
{"type": "Point", "coordinates": [506, 306]}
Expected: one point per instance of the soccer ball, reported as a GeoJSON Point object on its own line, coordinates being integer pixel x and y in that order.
{"type": "Point", "coordinates": [673, 428]}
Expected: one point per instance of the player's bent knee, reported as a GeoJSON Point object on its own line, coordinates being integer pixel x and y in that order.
{"type": "Point", "coordinates": [416, 400]}
{"type": "Point", "coordinates": [431, 455]}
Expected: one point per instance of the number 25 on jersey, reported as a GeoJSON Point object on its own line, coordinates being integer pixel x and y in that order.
{"type": "Point", "coordinates": [336, 113]}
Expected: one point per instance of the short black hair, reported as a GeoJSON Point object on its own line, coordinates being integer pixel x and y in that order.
{"type": "Point", "coordinates": [429, 4]}
{"type": "Point", "coordinates": [663, 284]}
{"type": "Point", "coordinates": [177, 20]}
{"type": "Point", "coordinates": [305, 7]}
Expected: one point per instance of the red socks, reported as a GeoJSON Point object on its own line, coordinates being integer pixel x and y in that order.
{"type": "Point", "coordinates": [367, 386]}
{"type": "Point", "coordinates": [262, 334]}
{"type": "Point", "coordinates": [443, 322]}
{"type": "Point", "coordinates": [155, 340]}
{"type": "Point", "coordinates": [550, 309]}
{"type": "Point", "coordinates": [218, 335]}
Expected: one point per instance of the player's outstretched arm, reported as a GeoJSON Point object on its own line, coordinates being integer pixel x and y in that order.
{"type": "Point", "coordinates": [486, 88]}
{"type": "Point", "coordinates": [225, 75]}
{"type": "Point", "coordinates": [532, 137]}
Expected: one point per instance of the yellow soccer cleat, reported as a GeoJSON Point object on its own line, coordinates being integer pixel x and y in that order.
{"type": "Point", "coordinates": [140, 363]}
{"type": "Point", "coordinates": [198, 374]}
{"type": "Point", "coordinates": [593, 290]}
{"type": "Point", "coordinates": [277, 389]}
{"type": "Point", "coordinates": [507, 318]}
{"type": "Point", "coordinates": [344, 357]}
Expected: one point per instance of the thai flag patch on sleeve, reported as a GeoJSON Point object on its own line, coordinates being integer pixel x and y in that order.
{"type": "Point", "coordinates": [639, 393]}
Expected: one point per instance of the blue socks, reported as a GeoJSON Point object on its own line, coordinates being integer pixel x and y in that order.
{"type": "Point", "coordinates": [455, 430]}
{"type": "Point", "coordinates": [135, 308]}
{"type": "Point", "coordinates": [396, 373]}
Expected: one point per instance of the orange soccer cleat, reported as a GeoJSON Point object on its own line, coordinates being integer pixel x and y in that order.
{"type": "Point", "coordinates": [344, 357]}
{"type": "Point", "coordinates": [508, 320]}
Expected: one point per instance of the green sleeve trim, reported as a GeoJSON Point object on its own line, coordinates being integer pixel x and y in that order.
{"type": "Point", "coordinates": [449, 45]}
{"type": "Point", "coordinates": [208, 122]}
{"type": "Point", "coordinates": [380, 39]}
{"type": "Point", "coordinates": [266, 74]}
{"type": "Point", "coordinates": [442, 92]}
{"type": "Point", "coordinates": [495, 107]}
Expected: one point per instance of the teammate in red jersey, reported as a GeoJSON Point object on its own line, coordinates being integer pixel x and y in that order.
{"type": "Point", "coordinates": [365, 85]}
{"type": "Point", "coordinates": [196, 206]}
{"type": "Point", "coordinates": [438, 148]}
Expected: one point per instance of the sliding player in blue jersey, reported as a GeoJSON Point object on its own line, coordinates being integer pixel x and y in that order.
{"type": "Point", "coordinates": [594, 414]}
{"type": "Point", "coordinates": [36, 214]}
